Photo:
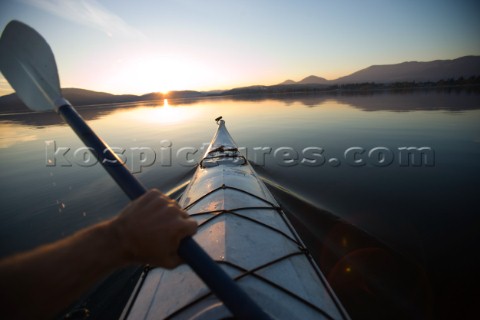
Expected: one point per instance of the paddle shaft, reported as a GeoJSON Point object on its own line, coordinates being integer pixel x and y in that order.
{"type": "Point", "coordinates": [227, 290]}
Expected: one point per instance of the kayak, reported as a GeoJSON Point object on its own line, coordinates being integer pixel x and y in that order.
{"type": "Point", "coordinates": [243, 228]}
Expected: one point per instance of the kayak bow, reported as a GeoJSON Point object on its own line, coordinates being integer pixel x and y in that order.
{"type": "Point", "coordinates": [243, 228]}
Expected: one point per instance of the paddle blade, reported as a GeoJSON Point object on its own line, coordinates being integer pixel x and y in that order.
{"type": "Point", "coordinates": [27, 62]}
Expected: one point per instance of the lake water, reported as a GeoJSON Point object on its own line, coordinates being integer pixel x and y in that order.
{"type": "Point", "coordinates": [424, 213]}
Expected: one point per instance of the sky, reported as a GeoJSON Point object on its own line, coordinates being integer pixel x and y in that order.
{"type": "Point", "coordinates": [145, 46]}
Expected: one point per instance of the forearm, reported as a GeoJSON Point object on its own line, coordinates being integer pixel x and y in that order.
{"type": "Point", "coordinates": [67, 269]}
{"type": "Point", "coordinates": [41, 283]}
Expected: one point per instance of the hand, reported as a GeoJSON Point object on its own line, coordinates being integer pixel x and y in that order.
{"type": "Point", "coordinates": [150, 229]}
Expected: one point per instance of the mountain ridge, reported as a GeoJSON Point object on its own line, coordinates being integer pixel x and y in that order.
{"type": "Point", "coordinates": [435, 70]}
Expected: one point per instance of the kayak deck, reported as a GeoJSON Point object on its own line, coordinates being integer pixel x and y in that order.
{"type": "Point", "coordinates": [242, 227]}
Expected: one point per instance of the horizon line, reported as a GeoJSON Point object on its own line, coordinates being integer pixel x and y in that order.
{"type": "Point", "coordinates": [12, 91]}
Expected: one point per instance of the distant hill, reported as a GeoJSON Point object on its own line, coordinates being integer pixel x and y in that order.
{"type": "Point", "coordinates": [417, 71]}
{"type": "Point", "coordinates": [151, 96]}
{"type": "Point", "coordinates": [246, 90]}
{"type": "Point", "coordinates": [287, 82]}
{"type": "Point", "coordinates": [77, 97]}
{"type": "Point", "coordinates": [405, 72]}
{"type": "Point", "coordinates": [313, 80]}
{"type": "Point", "coordinates": [308, 80]}
{"type": "Point", "coordinates": [185, 94]}
{"type": "Point", "coordinates": [81, 97]}
{"type": "Point", "coordinates": [276, 89]}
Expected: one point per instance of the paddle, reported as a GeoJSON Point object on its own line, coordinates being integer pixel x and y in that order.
{"type": "Point", "coordinates": [27, 62]}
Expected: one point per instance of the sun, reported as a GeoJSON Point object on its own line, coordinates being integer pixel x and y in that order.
{"type": "Point", "coordinates": [157, 73]}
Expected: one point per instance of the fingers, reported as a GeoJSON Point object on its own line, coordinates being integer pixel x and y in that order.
{"type": "Point", "coordinates": [171, 206]}
{"type": "Point", "coordinates": [154, 227]}
{"type": "Point", "coordinates": [191, 226]}
{"type": "Point", "coordinates": [187, 227]}
{"type": "Point", "coordinates": [172, 262]}
{"type": "Point", "coordinates": [184, 214]}
{"type": "Point", "coordinates": [155, 203]}
{"type": "Point", "coordinates": [154, 199]}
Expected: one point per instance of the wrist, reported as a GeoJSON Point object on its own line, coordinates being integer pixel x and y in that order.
{"type": "Point", "coordinates": [114, 244]}
{"type": "Point", "coordinates": [123, 249]}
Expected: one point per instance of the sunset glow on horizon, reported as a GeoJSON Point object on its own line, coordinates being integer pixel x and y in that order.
{"type": "Point", "coordinates": [152, 46]}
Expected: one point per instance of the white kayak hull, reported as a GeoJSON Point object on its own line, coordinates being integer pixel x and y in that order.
{"type": "Point", "coordinates": [242, 227]}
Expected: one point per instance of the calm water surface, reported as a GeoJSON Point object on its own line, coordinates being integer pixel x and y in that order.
{"type": "Point", "coordinates": [426, 214]}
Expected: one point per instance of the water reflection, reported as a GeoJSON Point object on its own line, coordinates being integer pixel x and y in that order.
{"type": "Point", "coordinates": [160, 114]}
{"type": "Point", "coordinates": [13, 133]}
{"type": "Point", "coordinates": [398, 101]}
{"type": "Point", "coordinates": [165, 111]}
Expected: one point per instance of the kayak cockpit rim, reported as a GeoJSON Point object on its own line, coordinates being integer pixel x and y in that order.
{"type": "Point", "coordinates": [222, 149]}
